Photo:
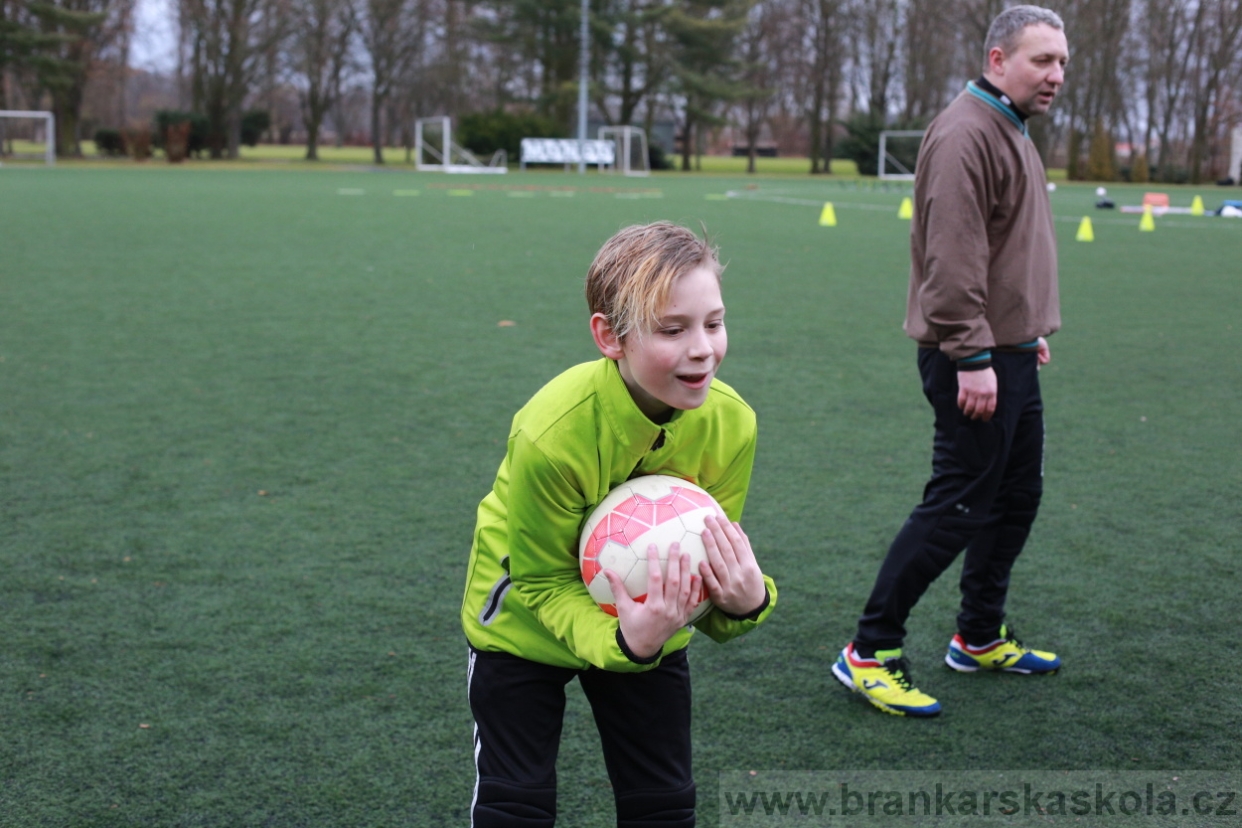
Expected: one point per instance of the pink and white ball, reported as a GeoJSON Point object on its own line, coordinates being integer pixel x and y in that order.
{"type": "Point", "coordinates": [658, 509]}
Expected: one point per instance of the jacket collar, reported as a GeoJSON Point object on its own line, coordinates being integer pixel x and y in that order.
{"type": "Point", "coordinates": [1001, 104]}
{"type": "Point", "coordinates": [629, 425]}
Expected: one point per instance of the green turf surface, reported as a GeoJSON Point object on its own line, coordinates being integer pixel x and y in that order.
{"type": "Point", "coordinates": [246, 417]}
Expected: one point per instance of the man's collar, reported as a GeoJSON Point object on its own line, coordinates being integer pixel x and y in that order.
{"type": "Point", "coordinates": [991, 88]}
{"type": "Point", "coordinates": [1007, 110]}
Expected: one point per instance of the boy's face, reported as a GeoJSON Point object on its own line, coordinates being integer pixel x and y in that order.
{"type": "Point", "coordinates": [672, 366]}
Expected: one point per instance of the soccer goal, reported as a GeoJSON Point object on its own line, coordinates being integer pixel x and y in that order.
{"type": "Point", "coordinates": [631, 156]}
{"type": "Point", "coordinates": [899, 149]}
{"type": "Point", "coordinates": [435, 151]}
{"type": "Point", "coordinates": [1235, 157]}
{"type": "Point", "coordinates": [28, 134]}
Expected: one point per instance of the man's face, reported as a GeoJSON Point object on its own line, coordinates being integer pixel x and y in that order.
{"type": "Point", "coordinates": [1033, 73]}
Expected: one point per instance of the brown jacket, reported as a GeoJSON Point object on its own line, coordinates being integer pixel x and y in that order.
{"type": "Point", "coordinates": [982, 246]}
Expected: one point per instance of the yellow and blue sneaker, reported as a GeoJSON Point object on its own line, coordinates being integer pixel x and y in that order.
{"type": "Point", "coordinates": [884, 681]}
{"type": "Point", "coordinates": [1005, 653]}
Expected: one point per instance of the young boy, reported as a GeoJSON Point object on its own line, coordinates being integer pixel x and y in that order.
{"type": "Point", "coordinates": [652, 405]}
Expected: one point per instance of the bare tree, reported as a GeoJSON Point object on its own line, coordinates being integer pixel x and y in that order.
{"type": "Point", "coordinates": [124, 36]}
{"type": "Point", "coordinates": [876, 41]}
{"type": "Point", "coordinates": [824, 25]}
{"type": "Point", "coordinates": [319, 48]}
{"type": "Point", "coordinates": [1173, 28]}
{"type": "Point", "coordinates": [974, 19]}
{"type": "Point", "coordinates": [1216, 59]}
{"type": "Point", "coordinates": [389, 34]}
{"type": "Point", "coordinates": [229, 40]}
{"type": "Point", "coordinates": [1094, 100]}
{"type": "Point", "coordinates": [629, 56]}
{"type": "Point", "coordinates": [761, 45]}
{"type": "Point", "coordinates": [930, 78]}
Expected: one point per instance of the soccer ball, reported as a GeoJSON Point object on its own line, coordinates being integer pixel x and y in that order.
{"type": "Point", "coordinates": [657, 509]}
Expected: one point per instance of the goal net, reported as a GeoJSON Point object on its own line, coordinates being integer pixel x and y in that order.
{"type": "Point", "coordinates": [898, 152]}
{"type": "Point", "coordinates": [27, 135]}
{"type": "Point", "coordinates": [631, 155]}
{"type": "Point", "coordinates": [435, 151]}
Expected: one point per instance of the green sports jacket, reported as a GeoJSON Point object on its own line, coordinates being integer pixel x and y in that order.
{"type": "Point", "coordinates": [579, 437]}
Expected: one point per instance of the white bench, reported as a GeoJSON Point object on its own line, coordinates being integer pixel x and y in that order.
{"type": "Point", "coordinates": [566, 151]}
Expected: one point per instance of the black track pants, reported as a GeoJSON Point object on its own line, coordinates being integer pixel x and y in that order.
{"type": "Point", "coordinates": [984, 493]}
{"type": "Point", "coordinates": [644, 726]}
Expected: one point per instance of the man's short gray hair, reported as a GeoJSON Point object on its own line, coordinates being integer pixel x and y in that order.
{"type": "Point", "coordinates": [1008, 26]}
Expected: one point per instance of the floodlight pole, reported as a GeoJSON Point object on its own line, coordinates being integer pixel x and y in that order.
{"type": "Point", "coordinates": [582, 89]}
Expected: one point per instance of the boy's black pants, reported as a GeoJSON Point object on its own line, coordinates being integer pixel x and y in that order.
{"type": "Point", "coordinates": [644, 726]}
{"type": "Point", "coordinates": [984, 493]}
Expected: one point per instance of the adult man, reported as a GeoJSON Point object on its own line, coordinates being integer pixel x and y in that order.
{"type": "Point", "coordinates": [983, 295]}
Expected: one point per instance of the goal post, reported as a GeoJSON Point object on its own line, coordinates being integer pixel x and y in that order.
{"type": "Point", "coordinates": [1235, 156]}
{"type": "Point", "coordinates": [631, 155]}
{"type": "Point", "coordinates": [898, 152]}
{"type": "Point", "coordinates": [435, 151]}
{"type": "Point", "coordinates": [11, 131]}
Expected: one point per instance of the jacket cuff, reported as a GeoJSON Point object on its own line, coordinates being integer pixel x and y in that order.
{"type": "Point", "coordinates": [625, 648]}
{"type": "Point", "coordinates": [975, 362]}
{"type": "Point", "coordinates": [753, 615]}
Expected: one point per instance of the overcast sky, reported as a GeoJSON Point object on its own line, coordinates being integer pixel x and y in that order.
{"type": "Point", "coordinates": [152, 47]}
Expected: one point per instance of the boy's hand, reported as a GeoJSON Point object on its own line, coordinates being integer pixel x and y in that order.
{"type": "Point", "coordinates": [733, 579]}
{"type": "Point", "coordinates": [647, 625]}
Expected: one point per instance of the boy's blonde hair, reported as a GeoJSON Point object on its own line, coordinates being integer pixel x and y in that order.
{"type": "Point", "coordinates": [630, 280]}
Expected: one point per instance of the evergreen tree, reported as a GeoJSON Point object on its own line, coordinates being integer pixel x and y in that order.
{"type": "Point", "coordinates": [56, 44]}
{"type": "Point", "coordinates": [702, 35]}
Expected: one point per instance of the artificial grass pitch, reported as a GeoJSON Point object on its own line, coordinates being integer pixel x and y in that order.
{"type": "Point", "coordinates": [246, 418]}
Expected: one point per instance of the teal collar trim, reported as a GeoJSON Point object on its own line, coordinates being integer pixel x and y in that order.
{"type": "Point", "coordinates": [998, 106]}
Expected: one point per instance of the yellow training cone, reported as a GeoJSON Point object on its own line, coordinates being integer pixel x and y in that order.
{"type": "Point", "coordinates": [1085, 233]}
{"type": "Point", "coordinates": [828, 217]}
{"type": "Point", "coordinates": [906, 211]}
{"type": "Point", "coordinates": [1147, 223]}
{"type": "Point", "coordinates": [1196, 206]}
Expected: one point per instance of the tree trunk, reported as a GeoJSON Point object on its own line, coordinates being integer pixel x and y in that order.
{"type": "Point", "coordinates": [686, 138]}
{"type": "Point", "coordinates": [816, 120]}
{"type": "Point", "coordinates": [234, 131]}
{"type": "Point", "coordinates": [830, 134]}
{"type": "Point", "coordinates": [751, 138]}
{"type": "Point", "coordinates": [377, 139]}
{"type": "Point", "coordinates": [312, 137]}
{"type": "Point", "coordinates": [67, 107]}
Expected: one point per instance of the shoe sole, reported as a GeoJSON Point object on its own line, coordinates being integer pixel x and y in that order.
{"type": "Point", "coordinates": [892, 711]}
{"type": "Point", "coordinates": [966, 668]}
